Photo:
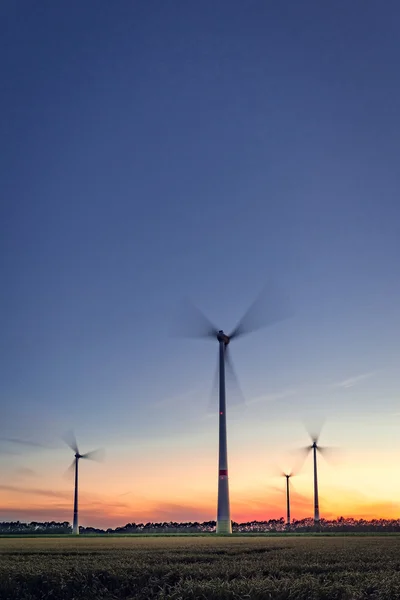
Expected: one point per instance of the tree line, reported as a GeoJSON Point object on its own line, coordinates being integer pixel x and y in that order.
{"type": "Point", "coordinates": [339, 525]}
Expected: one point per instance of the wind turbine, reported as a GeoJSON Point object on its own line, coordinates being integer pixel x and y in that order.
{"type": "Point", "coordinates": [250, 322]}
{"type": "Point", "coordinates": [97, 455]}
{"type": "Point", "coordinates": [288, 476]}
{"type": "Point", "coordinates": [315, 448]}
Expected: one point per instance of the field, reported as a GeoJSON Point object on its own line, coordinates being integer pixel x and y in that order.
{"type": "Point", "coordinates": [178, 568]}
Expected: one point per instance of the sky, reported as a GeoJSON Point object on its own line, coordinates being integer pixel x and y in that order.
{"type": "Point", "coordinates": [158, 151]}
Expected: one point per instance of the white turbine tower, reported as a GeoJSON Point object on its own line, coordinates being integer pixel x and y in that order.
{"type": "Point", "coordinates": [97, 455]}
{"type": "Point", "coordinates": [251, 321]}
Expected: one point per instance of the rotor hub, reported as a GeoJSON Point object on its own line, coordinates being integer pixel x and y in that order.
{"type": "Point", "coordinates": [222, 337]}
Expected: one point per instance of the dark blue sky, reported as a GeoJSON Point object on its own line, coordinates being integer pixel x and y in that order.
{"type": "Point", "coordinates": [157, 150]}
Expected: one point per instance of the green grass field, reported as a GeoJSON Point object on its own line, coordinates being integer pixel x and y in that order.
{"type": "Point", "coordinates": [178, 568]}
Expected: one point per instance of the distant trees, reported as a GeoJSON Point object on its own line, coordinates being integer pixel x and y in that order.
{"type": "Point", "coordinates": [339, 525]}
{"type": "Point", "coordinates": [18, 527]}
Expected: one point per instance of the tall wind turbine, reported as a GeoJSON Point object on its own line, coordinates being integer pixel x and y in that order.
{"type": "Point", "coordinates": [250, 322]}
{"type": "Point", "coordinates": [315, 448]}
{"type": "Point", "coordinates": [97, 455]}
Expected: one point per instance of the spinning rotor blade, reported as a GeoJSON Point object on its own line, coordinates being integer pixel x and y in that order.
{"type": "Point", "coordinates": [314, 430]}
{"type": "Point", "coordinates": [294, 471]}
{"type": "Point", "coordinates": [97, 455]}
{"type": "Point", "coordinates": [233, 390]}
{"type": "Point", "coordinates": [193, 323]}
{"type": "Point", "coordinates": [302, 454]}
{"type": "Point", "coordinates": [70, 472]}
{"type": "Point", "coordinates": [277, 471]}
{"type": "Point", "coordinates": [213, 402]}
{"type": "Point", "coordinates": [70, 439]}
{"type": "Point", "coordinates": [268, 308]}
{"type": "Point", "coordinates": [231, 377]}
{"type": "Point", "coordinates": [290, 474]}
{"type": "Point", "coordinates": [330, 453]}
{"type": "Point", "coordinates": [20, 442]}
{"type": "Point", "coordinates": [281, 490]}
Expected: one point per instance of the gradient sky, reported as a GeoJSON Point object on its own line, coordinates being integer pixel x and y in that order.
{"type": "Point", "coordinates": [154, 151]}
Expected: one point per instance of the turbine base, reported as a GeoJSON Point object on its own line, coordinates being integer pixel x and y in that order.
{"type": "Point", "coordinates": [224, 527]}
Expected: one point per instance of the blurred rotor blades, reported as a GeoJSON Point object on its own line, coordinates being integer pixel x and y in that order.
{"type": "Point", "coordinates": [232, 387]}
{"type": "Point", "coordinates": [193, 323]}
{"type": "Point", "coordinates": [300, 460]}
{"type": "Point", "coordinates": [293, 489]}
{"type": "Point", "coordinates": [213, 402]}
{"type": "Point", "coordinates": [268, 308]}
{"type": "Point", "coordinates": [314, 429]}
{"type": "Point", "coordinates": [301, 455]}
{"type": "Point", "coordinates": [70, 439]}
{"type": "Point", "coordinates": [286, 474]}
{"type": "Point", "coordinates": [277, 471]}
{"type": "Point", "coordinates": [21, 442]}
{"type": "Point", "coordinates": [232, 380]}
{"type": "Point", "coordinates": [97, 455]}
{"type": "Point", "coordinates": [281, 490]}
{"type": "Point", "coordinates": [70, 472]}
{"type": "Point", "coordinates": [330, 453]}
{"type": "Point", "coordinates": [304, 450]}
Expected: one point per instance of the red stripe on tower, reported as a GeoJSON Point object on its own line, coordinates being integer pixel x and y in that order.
{"type": "Point", "coordinates": [223, 472]}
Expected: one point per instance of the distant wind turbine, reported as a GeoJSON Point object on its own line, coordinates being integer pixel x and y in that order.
{"type": "Point", "coordinates": [288, 476]}
{"type": "Point", "coordinates": [276, 311]}
{"type": "Point", "coordinates": [97, 455]}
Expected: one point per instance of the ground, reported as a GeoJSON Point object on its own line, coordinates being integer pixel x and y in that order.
{"type": "Point", "coordinates": [208, 567]}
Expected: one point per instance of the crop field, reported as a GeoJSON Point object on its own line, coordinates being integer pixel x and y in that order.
{"type": "Point", "coordinates": [178, 568]}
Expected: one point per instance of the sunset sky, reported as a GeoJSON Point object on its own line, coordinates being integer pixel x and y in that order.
{"type": "Point", "coordinates": [154, 151]}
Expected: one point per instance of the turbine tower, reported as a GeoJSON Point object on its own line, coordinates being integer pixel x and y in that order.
{"type": "Point", "coordinates": [97, 455]}
{"type": "Point", "coordinates": [251, 321]}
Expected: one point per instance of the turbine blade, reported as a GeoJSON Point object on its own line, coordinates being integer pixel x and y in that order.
{"type": "Point", "coordinates": [314, 428]}
{"type": "Point", "coordinates": [97, 455]}
{"type": "Point", "coordinates": [70, 472]}
{"type": "Point", "coordinates": [301, 455]}
{"type": "Point", "coordinates": [281, 490]}
{"type": "Point", "coordinates": [299, 461]}
{"type": "Point", "coordinates": [21, 442]}
{"type": "Point", "coordinates": [268, 308]}
{"type": "Point", "coordinates": [277, 471]}
{"type": "Point", "coordinates": [70, 439]}
{"type": "Point", "coordinates": [232, 387]}
{"type": "Point", "coordinates": [193, 323]}
{"type": "Point", "coordinates": [213, 402]}
{"type": "Point", "coordinates": [330, 453]}
{"type": "Point", "coordinates": [232, 380]}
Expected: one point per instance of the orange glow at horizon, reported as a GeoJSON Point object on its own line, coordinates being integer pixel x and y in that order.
{"type": "Point", "coordinates": [175, 478]}
{"type": "Point", "coordinates": [113, 513]}
{"type": "Point", "coordinates": [159, 498]}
